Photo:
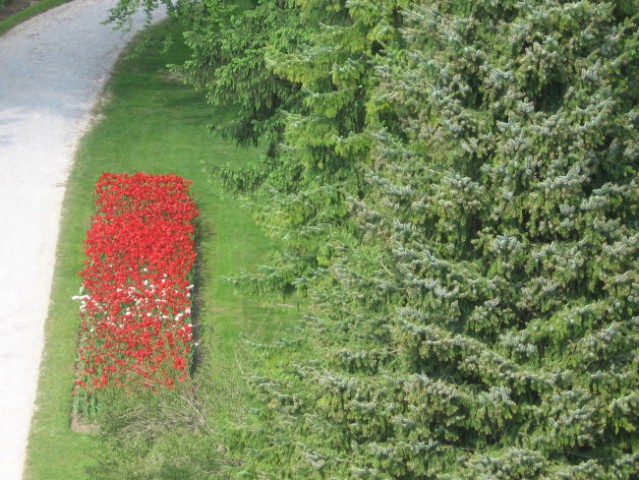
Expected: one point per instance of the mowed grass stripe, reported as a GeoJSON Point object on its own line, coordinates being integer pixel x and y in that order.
{"type": "Point", "coordinates": [150, 122]}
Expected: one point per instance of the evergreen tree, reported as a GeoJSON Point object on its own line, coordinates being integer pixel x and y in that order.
{"type": "Point", "coordinates": [480, 321]}
{"type": "Point", "coordinates": [456, 184]}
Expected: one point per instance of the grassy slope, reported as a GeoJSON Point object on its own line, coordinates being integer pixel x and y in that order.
{"type": "Point", "coordinates": [27, 13]}
{"type": "Point", "coordinates": [151, 123]}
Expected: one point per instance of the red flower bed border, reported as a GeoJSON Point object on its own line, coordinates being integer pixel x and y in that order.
{"type": "Point", "coordinates": [136, 304]}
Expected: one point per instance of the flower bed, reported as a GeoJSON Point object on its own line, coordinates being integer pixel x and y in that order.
{"type": "Point", "coordinates": [136, 304]}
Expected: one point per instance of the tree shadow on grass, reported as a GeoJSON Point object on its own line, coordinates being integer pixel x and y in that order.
{"type": "Point", "coordinates": [203, 233]}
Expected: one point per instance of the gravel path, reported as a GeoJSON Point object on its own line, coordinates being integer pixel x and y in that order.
{"type": "Point", "coordinates": [52, 71]}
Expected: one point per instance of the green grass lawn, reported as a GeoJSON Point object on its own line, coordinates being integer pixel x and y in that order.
{"type": "Point", "coordinates": [150, 122]}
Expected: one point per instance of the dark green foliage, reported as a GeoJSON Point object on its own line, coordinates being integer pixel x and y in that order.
{"type": "Point", "coordinates": [228, 40]}
{"type": "Point", "coordinates": [457, 186]}
{"type": "Point", "coordinates": [478, 318]}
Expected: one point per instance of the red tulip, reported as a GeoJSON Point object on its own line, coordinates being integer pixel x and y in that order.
{"type": "Point", "coordinates": [136, 305]}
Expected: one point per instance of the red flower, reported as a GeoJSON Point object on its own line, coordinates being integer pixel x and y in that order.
{"type": "Point", "coordinates": [179, 363]}
{"type": "Point", "coordinates": [136, 307]}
